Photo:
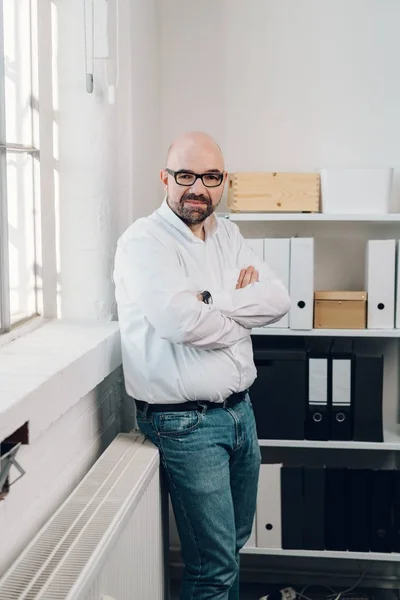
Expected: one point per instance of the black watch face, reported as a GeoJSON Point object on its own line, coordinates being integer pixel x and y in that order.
{"type": "Point", "coordinates": [206, 297]}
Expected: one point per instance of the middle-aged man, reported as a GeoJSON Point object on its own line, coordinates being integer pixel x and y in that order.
{"type": "Point", "coordinates": [189, 290]}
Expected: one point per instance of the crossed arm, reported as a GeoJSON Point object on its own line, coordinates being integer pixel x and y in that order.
{"type": "Point", "coordinates": [246, 276]}
{"type": "Point", "coordinates": [149, 275]}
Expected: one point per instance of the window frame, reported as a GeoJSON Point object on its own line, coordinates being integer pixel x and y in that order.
{"type": "Point", "coordinates": [5, 317]}
{"type": "Point", "coordinates": [43, 72]}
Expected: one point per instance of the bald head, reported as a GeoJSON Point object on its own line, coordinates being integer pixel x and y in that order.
{"type": "Point", "coordinates": [194, 178]}
{"type": "Point", "coordinates": [196, 151]}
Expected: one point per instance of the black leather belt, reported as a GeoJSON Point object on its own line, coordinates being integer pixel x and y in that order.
{"type": "Point", "coordinates": [192, 404]}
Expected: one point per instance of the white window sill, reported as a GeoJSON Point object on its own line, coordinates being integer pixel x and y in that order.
{"type": "Point", "coordinates": [21, 329]}
{"type": "Point", "coordinates": [45, 372]}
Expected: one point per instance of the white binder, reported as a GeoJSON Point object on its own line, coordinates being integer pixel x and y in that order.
{"type": "Point", "coordinates": [269, 514]}
{"type": "Point", "coordinates": [257, 244]}
{"type": "Point", "coordinates": [380, 283]}
{"type": "Point", "coordinates": [277, 257]}
{"type": "Point", "coordinates": [318, 382]}
{"type": "Point", "coordinates": [341, 383]}
{"type": "Point", "coordinates": [251, 542]}
{"type": "Point", "coordinates": [301, 283]}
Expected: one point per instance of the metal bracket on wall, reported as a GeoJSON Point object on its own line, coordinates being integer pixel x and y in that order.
{"type": "Point", "coordinates": [6, 461]}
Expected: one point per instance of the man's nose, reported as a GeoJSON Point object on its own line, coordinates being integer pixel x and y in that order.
{"type": "Point", "coordinates": [198, 187]}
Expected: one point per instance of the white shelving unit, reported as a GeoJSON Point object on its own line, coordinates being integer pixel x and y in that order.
{"type": "Point", "coordinates": [313, 217]}
{"type": "Point", "coordinates": [391, 443]}
{"type": "Point", "coordinates": [343, 272]}
{"type": "Point", "coordinates": [361, 556]}
{"type": "Point", "coordinates": [369, 333]}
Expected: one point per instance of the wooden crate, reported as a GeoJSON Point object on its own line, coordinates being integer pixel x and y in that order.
{"type": "Point", "coordinates": [274, 192]}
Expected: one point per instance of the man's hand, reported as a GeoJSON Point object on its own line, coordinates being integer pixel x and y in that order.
{"type": "Point", "coordinates": [247, 276]}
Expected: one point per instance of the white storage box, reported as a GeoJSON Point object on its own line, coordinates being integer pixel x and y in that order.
{"type": "Point", "coordinates": [356, 191]}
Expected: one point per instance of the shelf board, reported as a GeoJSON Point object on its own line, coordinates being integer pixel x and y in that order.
{"type": "Point", "coordinates": [377, 556]}
{"type": "Point", "coordinates": [391, 442]}
{"type": "Point", "coordinates": [313, 217]}
{"type": "Point", "coordinates": [371, 333]}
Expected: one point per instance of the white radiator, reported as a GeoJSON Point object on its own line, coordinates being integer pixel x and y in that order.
{"type": "Point", "coordinates": [106, 542]}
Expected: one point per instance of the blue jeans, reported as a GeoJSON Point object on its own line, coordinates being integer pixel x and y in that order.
{"type": "Point", "coordinates": [211, 459]}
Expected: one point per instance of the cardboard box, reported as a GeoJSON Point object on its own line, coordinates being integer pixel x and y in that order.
{"type": "Point", "coordinates": [340, 310]}
{"type": "Point", "coordinates": [274, 192]}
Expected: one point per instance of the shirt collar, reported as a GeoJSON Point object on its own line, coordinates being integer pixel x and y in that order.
{"type": "Point", "coordinates": [210, 224]}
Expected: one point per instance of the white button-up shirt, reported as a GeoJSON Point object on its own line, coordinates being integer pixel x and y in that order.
{"type": "Point", "coordinates": [174, 347]}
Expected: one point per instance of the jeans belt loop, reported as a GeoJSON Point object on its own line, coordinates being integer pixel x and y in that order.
{"type": "Point", "coordinates": [203, 406]}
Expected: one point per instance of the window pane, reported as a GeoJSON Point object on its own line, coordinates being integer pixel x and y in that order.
{"type": "Point", "coordinates": [21, 235]}
{"type": "Point", "coordinates": [18, 71]}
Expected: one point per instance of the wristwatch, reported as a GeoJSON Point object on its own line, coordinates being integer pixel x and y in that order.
{"type": "Point", "coordinates": [207, 298]}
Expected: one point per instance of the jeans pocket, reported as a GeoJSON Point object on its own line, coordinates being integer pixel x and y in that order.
{"type": "Point", "coordinates": [146, 427]}
{"type": "Point", "coordinates": [169, 424]}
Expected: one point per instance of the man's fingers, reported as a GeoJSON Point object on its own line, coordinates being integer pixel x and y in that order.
{"type": "Point", "coordinates": [240, 279]}
{"type": "Point", "coordinates": [254, 277]}
{"type": "Point", "coordinates": [247, 277]}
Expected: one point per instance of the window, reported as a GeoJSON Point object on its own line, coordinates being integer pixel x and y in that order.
{"type": "Point", "coordinates": [19, 168]}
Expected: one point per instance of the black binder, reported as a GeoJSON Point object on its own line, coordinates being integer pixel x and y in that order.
{"type": "Point", "coordinates": [292, 507]}
{"type": "Point", "coordinates": [278, 395]}
{"type": "Point", "coordinates": [396, 512]}
{"type": "Point", "coordinates": [336, 507]}
{"type": "Point", "coordinates": [368, 387]}
{"type": "Point", "coordinates": [359, 509]}
{"type": "Point", "coordinates": [318, 417]}
{"type": "Point", "coordinates": [314, 508]}
{"type": "Point", "coordinates": [381, 511]}
{"type": "Point", "coordinates": [341, 389]}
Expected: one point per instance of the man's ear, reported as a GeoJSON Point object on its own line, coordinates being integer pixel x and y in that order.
{"type": "Point", "coordinates": [164, 179]}
{"type": "Point", "coordinates": [225, 177]}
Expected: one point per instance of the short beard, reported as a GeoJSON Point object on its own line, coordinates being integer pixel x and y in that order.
{"type": "Point", "coordinates": [191, 215]}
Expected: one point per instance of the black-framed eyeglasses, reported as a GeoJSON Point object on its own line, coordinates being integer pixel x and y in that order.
{"type": "Point", "coordinates": [188, 178]}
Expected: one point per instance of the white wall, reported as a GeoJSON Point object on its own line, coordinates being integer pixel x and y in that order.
{"type": "Point", "coordinates": [193, 71]}
{"type": "Point", "coordinates": [285, 84]}
{"type": "Point", "coordinates": [86, 150]}
{"type": "Point", "coordinates": [146, 192]}
{"type": "Point", "coordinates": [318, 81]}
{"type": "Point", "coordinates": [108, 154]}
{"type": "Point", "coordinates": [55, 462]}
